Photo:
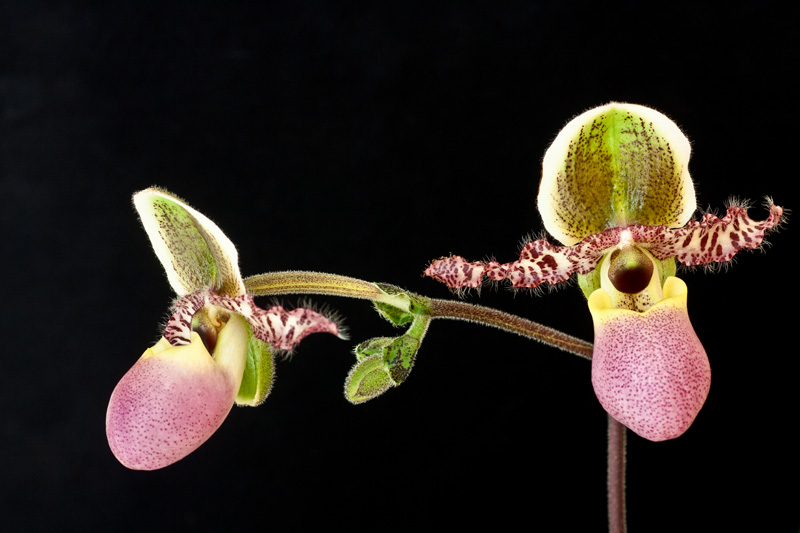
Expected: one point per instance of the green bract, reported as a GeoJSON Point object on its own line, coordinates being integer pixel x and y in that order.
{"type": "Point", "coordinates": [385, 362]}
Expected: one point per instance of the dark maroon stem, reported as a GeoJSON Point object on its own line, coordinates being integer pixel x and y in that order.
{"type": "Point", "coordinates": [617, 434]}
{"type": "Point", "coordinates": [457, 310]}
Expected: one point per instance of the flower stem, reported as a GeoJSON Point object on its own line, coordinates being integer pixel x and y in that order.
{"type": "Point", "coordinates": [305, 282]}
{"type": "Point", "coordinates": [527, 328]}
{"type": "Point", "coordinates": [617, 434]}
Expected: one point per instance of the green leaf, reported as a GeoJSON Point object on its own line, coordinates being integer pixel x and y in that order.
{"type": "Point", "coordinates": [384, 362]}
{"type": "Point", "coordinates": [397, 353]}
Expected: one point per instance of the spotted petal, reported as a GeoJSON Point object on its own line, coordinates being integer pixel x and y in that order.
{"type": "Point", "coordinates": [701, 242]}
{"type": "Point", "coordinates": [195, 253]}
{"type": "Point", "coordinates": [280, 328]}
{"type": "Point", "coordinates": [614, 166]}
{"type": "Point", "coordinates": [713, 240]}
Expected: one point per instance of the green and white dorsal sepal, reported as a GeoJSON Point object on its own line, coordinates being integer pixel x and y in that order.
{"type": "Point", "coordinates": [613, 166]}
{"type": "Point", "coordinates": [195, 253]}
{"type": "Point", "coordinates": [202, 266]}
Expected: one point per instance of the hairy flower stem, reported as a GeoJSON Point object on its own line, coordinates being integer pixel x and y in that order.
{"type": "Point", "coordinates": [513, 324]}
{"type": "Point", "coordinates": [617, 436]}
{"type": "Point", "coordinates": [303, 282]}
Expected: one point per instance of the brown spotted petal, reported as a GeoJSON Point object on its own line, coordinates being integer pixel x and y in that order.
{"type": "Point", "coordinates": [539, 261]}
{"type": "Point", "coordinates": [649, 370]}
{"type": "Point", "coordinates": [456, 272]}
{"type": "Point", "coordinates": [711, 240]}
{"type": "Point", "coordinates": [701, 242]}
{"type": "Point", "coordinates": [280, 328]}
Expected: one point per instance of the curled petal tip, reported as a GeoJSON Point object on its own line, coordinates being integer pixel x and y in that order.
{"type": "Point", "coordinates": [281, 328]}
{"type": "Point", "coordinates": [649, 370]}
{"type": "Point", "coordinates": [284, 329]}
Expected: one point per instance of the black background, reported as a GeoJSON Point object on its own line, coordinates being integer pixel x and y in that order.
{"type": "Point", "coordinates": [366, 140]}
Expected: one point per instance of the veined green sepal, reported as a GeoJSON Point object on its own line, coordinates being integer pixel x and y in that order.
{"type": "Point", "coordinates": [614, 166]}
{"type": "Point", "coordinates": [195, 253]}
{"type": "Point", "coordinates": [666, 268]}
{"type": "Point", "coordinates": [259, 373]}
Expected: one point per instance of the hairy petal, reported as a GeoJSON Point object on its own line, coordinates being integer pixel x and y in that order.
{"type": "Point", "coordinates": [280, 328]}
{"type": "Point", "coordinates": [700, 242]}
{"type": "Point", "coordinates": [285, 328]}
{"type": "Point", "coordinates": [714, 240]}
{"type": "Point", "coordinates": [539, 262]}
{"type": "Point", "coordinates": [649, 370]}
{"type": "Point", "coordinates": [195, 253]}
{"type": "Point", "coordinates": [456, 272]}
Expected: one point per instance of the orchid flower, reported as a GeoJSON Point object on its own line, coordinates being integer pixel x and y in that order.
{"type": "Point", "coordinates": [217, 347]}
{"type": "Point", "coordinates": [616, 192]}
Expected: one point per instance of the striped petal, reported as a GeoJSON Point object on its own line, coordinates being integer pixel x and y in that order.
{"type": "Point", "coordinates": [280, 328]}
{"type": "Point", "coordinates": [712, 240]}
